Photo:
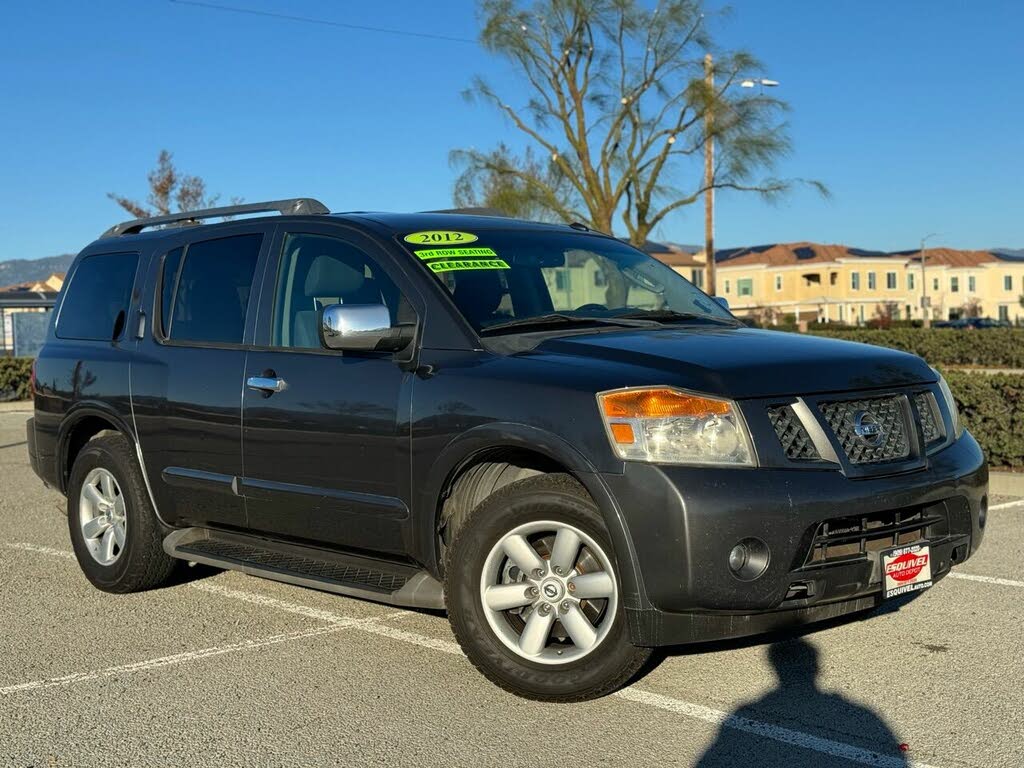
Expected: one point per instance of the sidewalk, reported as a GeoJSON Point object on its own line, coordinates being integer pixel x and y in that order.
{"type": "Point", "coordinates": [16, 406]}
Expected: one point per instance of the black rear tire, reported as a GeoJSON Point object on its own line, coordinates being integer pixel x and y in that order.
{"type": "Point", "coordinates": [560, 498]}
{"type": "Point", "coordinates": [142, 564]}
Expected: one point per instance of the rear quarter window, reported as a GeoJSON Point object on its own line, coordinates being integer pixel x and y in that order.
{"type": "Point", "coordinates": [99, 292]}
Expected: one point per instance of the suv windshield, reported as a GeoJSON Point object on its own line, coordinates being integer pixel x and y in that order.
{"type": "Point", "coordinates": [521, 281]}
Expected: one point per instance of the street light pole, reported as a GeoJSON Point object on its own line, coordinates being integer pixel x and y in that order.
{"type": "Point", "coordinates": [709, 167]}
{"type": "Point", "coordinates": [925, 313]}
{"type": "Point", "coordinates": [709, 179]}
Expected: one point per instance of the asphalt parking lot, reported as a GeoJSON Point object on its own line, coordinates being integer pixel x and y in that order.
{"type": "Point", "coordinates": [225, 670]}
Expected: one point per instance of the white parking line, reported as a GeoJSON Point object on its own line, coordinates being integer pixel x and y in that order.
{"type": "Point", "coordinates": [988, 580]}
{"type": "Point", "coordinates": [178, 658]}
{"type": "Point", "coordinates": [42, 550]}
{"type": "Point", "coordinates": [1007, 505]}
{"type": "Point", "coordinates": [835, 749]}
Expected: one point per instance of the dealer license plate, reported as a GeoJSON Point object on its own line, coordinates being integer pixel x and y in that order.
{"type": "Point", "coordinates": [906, 569]}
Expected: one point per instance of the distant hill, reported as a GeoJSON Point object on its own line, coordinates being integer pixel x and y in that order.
{"type": "Point", "coordinates": [29, 270]}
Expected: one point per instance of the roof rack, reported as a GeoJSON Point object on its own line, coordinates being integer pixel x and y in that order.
{"type": "Point", "coordinates": [471, 211]}
{"type": "Point", "coordinates": [296, 206]}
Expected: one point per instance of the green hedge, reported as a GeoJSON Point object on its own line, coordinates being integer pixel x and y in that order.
{"type": "Point", "coordinates": [15, 373]}
{"type": "Point", "coordinates": [992, 408]}
{"type": "Point", "coordinates": [992, 347]}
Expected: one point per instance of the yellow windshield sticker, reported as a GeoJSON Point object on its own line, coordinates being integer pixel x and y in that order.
{"type": "Point", "coordinates": [448, 253]}
{"type": "Point", "coordinates": [440, 237]}
{"type": "Point", "coordinates": [450, 265]}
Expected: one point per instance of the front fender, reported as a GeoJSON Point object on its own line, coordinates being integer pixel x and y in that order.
{"type": "Point", "coordinates": [464, 449]}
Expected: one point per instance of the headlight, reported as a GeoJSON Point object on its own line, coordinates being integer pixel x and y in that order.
{"type": "Point", "coordinates": [954, 412]}
{"type": "Point", "coordinates": [669, 426]}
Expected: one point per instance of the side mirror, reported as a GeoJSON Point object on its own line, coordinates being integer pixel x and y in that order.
{"type": "Point", "coordinates": [723, 301]}
{"type": "Point", "coordinates": [362, 328]}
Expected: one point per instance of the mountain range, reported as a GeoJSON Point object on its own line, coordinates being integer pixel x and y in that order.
{"type": "Point", "coordinates": [15, 271]}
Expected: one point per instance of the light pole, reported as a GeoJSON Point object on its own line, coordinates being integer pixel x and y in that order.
{"type": "Point", "coordinates": [709, 168]}
{"type": "Point", "coordinates": [926, 314]}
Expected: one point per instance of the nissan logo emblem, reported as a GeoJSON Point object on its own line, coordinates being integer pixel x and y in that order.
{"type": "Point", "coordinates": [550, 590]}
{"type": "Point", "coordinates": [868, 431]}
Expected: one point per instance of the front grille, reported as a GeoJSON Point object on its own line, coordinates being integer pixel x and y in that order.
{"type": "Point", "coordinates": [850, 538]}
{"type": "Point", "coordinates": [849, 420]}
{"type": "Point", "coordinates": [926, 409]}
{"type": "Point", "coordinates": [794, 438]}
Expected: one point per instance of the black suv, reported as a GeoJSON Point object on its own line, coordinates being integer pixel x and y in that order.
{"type": "Point", "coordinates": [537, 427]}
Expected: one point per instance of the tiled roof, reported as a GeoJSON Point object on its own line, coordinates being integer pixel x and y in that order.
{"type": "Point", "coordinates": [786, 254]}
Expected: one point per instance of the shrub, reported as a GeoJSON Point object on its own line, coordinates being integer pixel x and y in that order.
{"type": "Point", "coordinates": [992, 408]}
{"type": "Point", "coordinates": [993, 347]}
{"type": "Point", "coordinates": [15, 375]}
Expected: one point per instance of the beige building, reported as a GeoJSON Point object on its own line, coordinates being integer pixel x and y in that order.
{"type": "Point", "coordinates": [838, 284]}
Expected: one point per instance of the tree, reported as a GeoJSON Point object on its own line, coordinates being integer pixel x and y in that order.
{"type": "Point", "coordinates": [618, 111]}
{"type": "Point", "coordinates": [496, 185]}
{"type": "Point", "coordinates": [971, 307]}
{"type": "Point", "coordinates": [167, 186]}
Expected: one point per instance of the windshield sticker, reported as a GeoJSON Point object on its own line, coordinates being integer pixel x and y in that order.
{"type": "Point", "coordinates": [450, 265]}
{"type": "Point", "coordinates": [448, 253]}
{"type": "Point", "coordinates": [440, 237]}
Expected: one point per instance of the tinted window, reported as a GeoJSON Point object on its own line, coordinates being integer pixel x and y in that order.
{"type": "Point", "coordinates": [100, 290]}
{"type": "Point", "coordinates": [319, 270]}
{"type": "Point", "coordinates": [212, 291]}
{"type": "Point", "coordinates": [168, 275]}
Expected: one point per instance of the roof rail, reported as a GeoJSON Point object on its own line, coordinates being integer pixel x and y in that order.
{"type": "Point", "coordinates": [471, 211]}
{"type": "Point", "coordinates": [296, 206]}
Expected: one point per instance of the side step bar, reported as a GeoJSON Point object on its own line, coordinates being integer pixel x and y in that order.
{"type": "Point", "coordinates": [352, 575]}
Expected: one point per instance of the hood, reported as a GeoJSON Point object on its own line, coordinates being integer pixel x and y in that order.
{"type": "Point", "coordinates": [744, 362]}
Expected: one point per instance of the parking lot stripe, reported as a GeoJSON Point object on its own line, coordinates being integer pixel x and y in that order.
{"type": "Point", "coordinates": [178, 658]}
{"type": "Point", "coordinates": [42, 550]}
{"type": "Point", "coordinates": [1007, 505]}
{"type": "Point", "coordinates": [769, 731]}
{"type": "Point", "coordinates": [281, 605]}
{"type": "Point", "coordinates": [988, 579]}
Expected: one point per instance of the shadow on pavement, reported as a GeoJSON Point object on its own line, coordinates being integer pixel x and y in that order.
{"type": "Point", "coordinates": [795, 703]}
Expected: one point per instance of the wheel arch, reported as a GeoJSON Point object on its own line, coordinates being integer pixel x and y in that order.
{"type": "Point", "coordinates": [487, 458]}
{"type": "Point", "coordinates": [80, 426]}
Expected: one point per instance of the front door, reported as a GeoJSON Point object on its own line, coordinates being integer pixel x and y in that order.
{"type": "Point", "coordinates": [325, 449]}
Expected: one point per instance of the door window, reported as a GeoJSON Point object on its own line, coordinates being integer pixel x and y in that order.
{"type": "Point", "coordinates": [210, 292]}
{"type": "Point", "coordinates": [317, 271]}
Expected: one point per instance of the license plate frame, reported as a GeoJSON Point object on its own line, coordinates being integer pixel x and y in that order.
{"type": "Point", "coordinates": [906, 569]}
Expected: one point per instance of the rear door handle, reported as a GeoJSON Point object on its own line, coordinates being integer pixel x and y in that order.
{"type": "Point", "coordinates": [266, 384]}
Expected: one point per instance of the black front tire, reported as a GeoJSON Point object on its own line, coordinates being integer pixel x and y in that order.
{"type": "Point", "coordinates": [142, 564]}
{"type": "Point", "coordinates": [558, 498]}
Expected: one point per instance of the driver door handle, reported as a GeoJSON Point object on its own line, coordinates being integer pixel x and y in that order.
{"type": "Point", "coordinates": [266, 384]}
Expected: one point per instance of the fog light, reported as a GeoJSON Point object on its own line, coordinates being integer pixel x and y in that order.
{"type": "Point", "coordinates": [748, 559]}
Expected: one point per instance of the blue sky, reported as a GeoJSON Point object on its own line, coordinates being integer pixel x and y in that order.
{"type": "Point", "coordinates": [910, 111]}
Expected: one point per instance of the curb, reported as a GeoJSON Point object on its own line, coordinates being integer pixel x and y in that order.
{"type": "Point", "coordinates": [17, 406]}
{"type": "Point", "coordinates": [1006, 483]}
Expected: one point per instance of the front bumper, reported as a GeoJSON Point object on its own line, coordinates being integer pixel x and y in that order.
{"type": "Point", "coordinates": [684, 521]}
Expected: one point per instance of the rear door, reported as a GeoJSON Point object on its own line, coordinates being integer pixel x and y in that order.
{"type": "Point", "coordinates": [187, 373]}
{"type": "Point", "coordinates": [326, 455]}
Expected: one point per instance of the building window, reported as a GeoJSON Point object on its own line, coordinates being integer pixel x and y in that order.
{"type": "Point", "coordinates": [855, 281]}
{"type": "Point", "coordinates": [935, 284]}
{"type": "Point", "coordinates": [872, 283]}
{"type": "Point", "coordinates": [1004, 313]}
{"type": "Point", "coordinates": [599, 279]}
{"type": "Point", "coordinates": [778, 282]}
{"type": "Point", "coordinates": [954, 284]}
{"type": "Point", "coordinates": [890, 281]}
{"type": "Point", "coordinates": [562, 280]}
{"type": "Point", "coordinates": [1007, 282]}
{"type": "Point", "coordinates": [972, 285]}
{"type": "Point", "coordinates": [745, 287]}
{"type": "Point", "coordinates": [833, 278]}
{"type": "Point", "coordinates": [697, 277]}
{"type": "Point", "coordinates": [726, 286]}
{"type": "Point", "coordinates": [910, 281]}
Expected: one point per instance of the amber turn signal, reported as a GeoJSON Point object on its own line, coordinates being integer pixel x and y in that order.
{"type": "Point", "coordinates": [659, 404]}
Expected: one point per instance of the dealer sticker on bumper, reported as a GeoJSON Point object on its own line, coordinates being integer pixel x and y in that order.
{"type": "Point", "coordinates": [906, 569]}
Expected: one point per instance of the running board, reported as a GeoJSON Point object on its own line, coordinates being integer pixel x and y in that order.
{"type": "Point", "coordinates": [344, 574]}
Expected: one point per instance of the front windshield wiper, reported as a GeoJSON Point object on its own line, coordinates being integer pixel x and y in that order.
{"type": "Point", "coordinates": [559, 318]}
{"type": "Point", "coordinates": [670, 316]}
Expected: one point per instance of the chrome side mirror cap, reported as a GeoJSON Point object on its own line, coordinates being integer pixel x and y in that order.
{"type": "Point", "coordinates": [362, 328]}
